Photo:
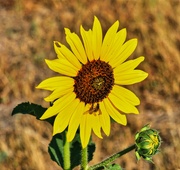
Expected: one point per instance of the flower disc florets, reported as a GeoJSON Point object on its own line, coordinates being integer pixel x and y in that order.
{"type": "Point", "coordinates": [94, 81]}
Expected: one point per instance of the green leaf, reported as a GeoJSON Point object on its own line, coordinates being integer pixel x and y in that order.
{"type": "Point", "coordinates": [56, 150]}
{"type": "Point", "coordinates": [32, 109]}
{"type": "Point", "coordinates": [113, 167]}
{"type": "Point", "coordinates": [91, 149]}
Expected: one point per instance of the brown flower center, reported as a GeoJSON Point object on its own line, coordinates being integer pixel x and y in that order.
{"type": "Point", "coordinates": [94, 81]}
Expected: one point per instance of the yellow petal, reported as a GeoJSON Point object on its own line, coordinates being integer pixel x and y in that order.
{"type": "Point", "coordinates": [64, 53]}
{"type": "Point", "coordinates": [57, 47]}
{"type": "Point", "coordinates": [116, 45]}
{"type": "Point", "coordinates": [108, 40]}
{"type": "Point", "coordinates": [96, 38]}
{"type": "Point", "coordinates": [62, 66]}
{"type": "Point", "coordinates": [59, 92]}
{"type": "Point", "coordinates": [95, 124]}
{"type": "Point", "coordinates": [123, 53]}
{"type": "Point", "coordinates": [114, 113]}
{"type": "Point", "coordinates": [56, 82]}
{"type": "Point", "coordinates": [130, 77]}
{"type": "Point", "coordinates": [59, 105]}
{"type": "Point", "coordinates": [121, 103]}
{"type": "Point", "coordinates": [126, 95]}
{"type": "Point", "coordinates": [63, 118]}
{"type": "Point", "coordinates": [85, 128]}
{"type": "Point", "coordinates": [75, 121]}
{"type": "Point", "coordinates": [128, 65]}
{"type": "Point", "coordinates": [76, 46]}
{"type": "Point", "coordinates": [87, 40]}
{"type": "Point", "coordinates": [104, 119]}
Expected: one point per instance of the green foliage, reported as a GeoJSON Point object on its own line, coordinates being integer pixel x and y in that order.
{"type": "Point", "coordinates": [32, 109]}
{"type": "Point", "coordinates": [113, 167]}
{"type": "Point", "coordinates": [109, 167]}
{"type": "Point", "coordinates": [56, 150]}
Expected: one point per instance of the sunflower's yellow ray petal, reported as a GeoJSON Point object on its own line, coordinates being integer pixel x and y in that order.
{"type": "Point", "coordinates": [62, 66]}
{"type": "Point", "coordinates": [56, 82]}
{"type": "Point", "coordinates": [58, 105]}
{"type": "Point", "coordinates": [57, 47]}
{"type": "Point", "coordinates": [130, 77]}
{"type": "Point", "coordinates": [76, 46]}
{"type": "Point", "coordinates": [104, 119]}
{"type": "Point", "coordinates": [64, 53]}
{"type": "Point", "coordinates": [126, 95]}
{"type": "Point", "coordinates": [128, 65]}
{"type": "Point", "coordinates": [121, 103]}
{"type": "Point", "coordinates": [85, 128]}
{"type": "Point", "coordinates": [75, 121]}
{"type": "Point", "coordinates": [95, 124]}
{"type": "Point", "coordinates": [108, 40]}
{"type": "Point", "coordinates": [87, 39]}
{"type": "Point", "coordinates": [63, 118]}
{"type": "Point", "coordinates": [120, 37]}
{"type": "Point", "coordinates": [123, 53]}
{"type": "Point", "coordinates": [114, 113]}
{"type": "Point", "coordinates": [96, 38]}
{"type": "Point", "coordinates": [116, 45]}
{"type": "Point", "coordinates": [59, 92]}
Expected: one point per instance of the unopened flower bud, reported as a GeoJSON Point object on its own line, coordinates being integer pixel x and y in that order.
{"type": "Point", "coordinates": [147, 143]}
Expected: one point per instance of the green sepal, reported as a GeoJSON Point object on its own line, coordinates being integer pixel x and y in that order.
{"type": "Point", "coordinates": [55, 150]}
{"type": "Point", "coordinates": [32, 109]}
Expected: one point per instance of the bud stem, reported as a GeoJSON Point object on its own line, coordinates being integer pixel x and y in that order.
{"type": "Point", "coordinates": [112, 158]}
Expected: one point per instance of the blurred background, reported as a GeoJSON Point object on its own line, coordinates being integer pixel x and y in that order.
{"type": "Point", "coordinates": [27, 31]}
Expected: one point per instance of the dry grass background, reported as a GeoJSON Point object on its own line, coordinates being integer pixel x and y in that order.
{"type": "Point", "coordinates": [27, 31]}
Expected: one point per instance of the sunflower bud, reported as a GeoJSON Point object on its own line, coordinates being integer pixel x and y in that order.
{"type": "Point", "coordinates": [147, 143]}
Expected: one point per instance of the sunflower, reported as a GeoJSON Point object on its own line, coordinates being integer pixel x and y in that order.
{"type": "Point", "coordinates": [89, 89]}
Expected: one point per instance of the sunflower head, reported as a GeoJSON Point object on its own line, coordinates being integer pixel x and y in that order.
{"type": "Point", "coordinates": [147, 142]}
{"type": "Point", "coordinates": [89, 89]}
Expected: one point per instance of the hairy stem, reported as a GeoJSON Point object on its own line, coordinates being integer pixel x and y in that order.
{"type": "Point", "coordinates": [112, 158]}
{"type": "Point", "coordinates": [67, 161]}
{"type": "Point", "coordinates": [84, 159]}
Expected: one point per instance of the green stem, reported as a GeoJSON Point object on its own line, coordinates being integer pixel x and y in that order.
{"type": "Point", "coordinates": [67, 160]}
{"type": "Point", "coordinates": [112, 158]}
{"type": "Point", "coordinates": [84, 158]}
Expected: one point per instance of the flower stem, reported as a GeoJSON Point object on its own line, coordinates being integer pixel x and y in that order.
{"type": "Point", "coordinates": [84, 158]}
{"type": "Point", "coordinates": [67, 161]}
{"type": "Point", "coordinates": [112, 158]}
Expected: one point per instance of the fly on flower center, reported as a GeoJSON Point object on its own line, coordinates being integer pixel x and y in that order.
{"type": "Point", "coordinates": [93, 82]}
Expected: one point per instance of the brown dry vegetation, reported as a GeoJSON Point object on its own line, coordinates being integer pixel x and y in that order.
{"type": "Point", "coordinates": [27, 31]}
